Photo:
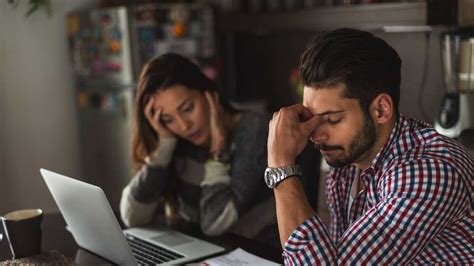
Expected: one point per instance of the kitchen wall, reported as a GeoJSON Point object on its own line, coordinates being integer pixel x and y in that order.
{"type": "Point", "coordinates": [412, 48]}
{"type": "Point", "coordinates": [38, 118]}
{"type": "Point", "coordinates": [264, 63]}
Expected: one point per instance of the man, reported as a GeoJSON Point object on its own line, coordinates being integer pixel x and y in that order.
{"type": "Point", "coordinates": [398, 192]}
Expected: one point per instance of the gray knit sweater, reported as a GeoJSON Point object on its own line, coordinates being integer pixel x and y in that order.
{"type": "Point", "coordinates": [221, 197]}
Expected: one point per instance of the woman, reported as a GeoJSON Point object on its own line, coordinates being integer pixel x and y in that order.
{"type": "Point", "coordinates": [196, 153]}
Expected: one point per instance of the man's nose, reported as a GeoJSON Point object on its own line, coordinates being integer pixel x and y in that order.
{"type": "Point", "coordinates": [319, 135]}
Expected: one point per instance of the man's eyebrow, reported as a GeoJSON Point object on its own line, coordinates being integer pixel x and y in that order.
{"type": "Point", "coordinates": [330, 112]}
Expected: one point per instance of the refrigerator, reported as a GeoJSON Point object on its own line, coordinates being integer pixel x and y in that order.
{"type": "Point", "coordinates": [108, 48]}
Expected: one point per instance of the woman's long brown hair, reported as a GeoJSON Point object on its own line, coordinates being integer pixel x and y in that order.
{"type": "Point", "coordinates": [159, 74]}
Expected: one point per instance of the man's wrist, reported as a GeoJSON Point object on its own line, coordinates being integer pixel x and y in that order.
{"type": "Point", "coordinates": [274, 163]}
{"type": "Point", "coordinates": [290, 181]}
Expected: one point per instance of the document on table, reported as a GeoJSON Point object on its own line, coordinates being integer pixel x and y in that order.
{"type": "Point", "coordinates": [236, 258]}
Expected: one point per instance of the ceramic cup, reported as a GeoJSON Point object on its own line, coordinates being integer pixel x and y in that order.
{"type": "Point", "coordinates": [23, 231]}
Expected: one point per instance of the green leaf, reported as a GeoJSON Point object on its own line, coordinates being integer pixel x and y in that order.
{"type": "Point", "coordinates": [34, 5]}
{"type": "Point", "coordinates": [14, 3]}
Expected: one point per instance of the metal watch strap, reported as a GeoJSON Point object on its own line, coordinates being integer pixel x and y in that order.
{"type": "Point", "coordinates": [273, 176]}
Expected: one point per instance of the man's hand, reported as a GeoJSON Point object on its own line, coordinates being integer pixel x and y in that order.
{"type": "Point", "coordinates": [288, 134]}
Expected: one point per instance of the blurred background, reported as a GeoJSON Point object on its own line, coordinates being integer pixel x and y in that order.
{"type": "Point", "coordinates": [68, 70]}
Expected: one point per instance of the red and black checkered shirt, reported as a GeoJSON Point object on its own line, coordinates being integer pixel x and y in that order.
{"type": "Point", "coordinates": [417, 206]}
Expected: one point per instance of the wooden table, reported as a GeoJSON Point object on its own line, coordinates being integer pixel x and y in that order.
{"type": "Point", "coordinates": [56, 237]}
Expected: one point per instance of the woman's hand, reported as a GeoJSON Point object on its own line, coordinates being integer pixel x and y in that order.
{"type": "Point", "coordinates": [153, 116]}
{"type": "Point", "coordinates": [218, 125]}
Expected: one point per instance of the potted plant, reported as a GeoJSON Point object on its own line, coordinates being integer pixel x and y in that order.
{"type": "Point", "coordinates": [34, 5]}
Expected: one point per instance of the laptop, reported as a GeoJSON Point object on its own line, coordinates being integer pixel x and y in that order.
{"type": "Point", "coordinates": [95, 228]}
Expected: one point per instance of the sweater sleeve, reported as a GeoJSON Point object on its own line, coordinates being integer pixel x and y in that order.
{"type": "Point", "coordinates": [140, 197]}
{"type": "Point", "coordinates": [133, 212]}
{"type": "Point", "coordinates": [230, 190]}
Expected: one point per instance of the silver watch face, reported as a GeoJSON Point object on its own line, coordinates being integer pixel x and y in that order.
{"type": "Point", "coordinates": [269, 180]}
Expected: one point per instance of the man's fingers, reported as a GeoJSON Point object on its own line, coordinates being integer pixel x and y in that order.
{"type": "Point", "coordinates": [310, 125]}
{"type": "Point", "coordinates": [306, 115]}
{"type": "Point", "coordinates": [298, 111]}
{"type": "Point", "coordinates": [297, 108]}
{"type": "Point", "coordinates": [275, 114]}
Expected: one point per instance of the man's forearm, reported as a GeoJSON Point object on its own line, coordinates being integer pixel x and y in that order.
{"type": "Point", "coordinates": [292, 207]}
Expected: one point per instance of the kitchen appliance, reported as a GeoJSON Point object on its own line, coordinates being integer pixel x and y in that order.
{"type": "Point", "coordinates": [456, 115]}
{"type": "Point", "coordinates": [450, 13]}
{"type": "Point", "coordinates": [101, 56]}
{"type": "Point", "coordinates": [108, 48]}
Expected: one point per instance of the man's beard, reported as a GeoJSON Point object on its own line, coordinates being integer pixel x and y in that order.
{"type": "Point", "coordinates": [361, 144]}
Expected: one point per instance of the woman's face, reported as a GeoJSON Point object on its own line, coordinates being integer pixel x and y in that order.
{"type": "Point", "coordinates": [185, 113]}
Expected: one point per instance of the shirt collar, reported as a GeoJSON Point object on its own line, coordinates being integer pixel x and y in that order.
{"type": "Point", "coordinates": [385, 152]}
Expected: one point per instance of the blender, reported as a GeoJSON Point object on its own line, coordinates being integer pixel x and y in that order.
{"type": "Point", "coordinates": [456, 116]}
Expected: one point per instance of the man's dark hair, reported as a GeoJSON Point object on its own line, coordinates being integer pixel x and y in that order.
{"type": "Point", "coordinates": [367, 65]}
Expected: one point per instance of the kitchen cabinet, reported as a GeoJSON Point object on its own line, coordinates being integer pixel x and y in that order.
{"type": "Point", "coordinates": [407, 16]}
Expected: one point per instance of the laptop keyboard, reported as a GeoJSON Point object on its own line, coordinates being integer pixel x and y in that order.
{"type": "Point", "coordinates": [146, 253]}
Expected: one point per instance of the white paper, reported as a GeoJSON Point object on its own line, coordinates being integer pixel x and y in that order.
{"type": "Point", "coordinates": [236, 258]}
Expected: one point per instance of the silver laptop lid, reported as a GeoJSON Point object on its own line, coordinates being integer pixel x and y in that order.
{"type": "Point", "coordinates": [89, 217]}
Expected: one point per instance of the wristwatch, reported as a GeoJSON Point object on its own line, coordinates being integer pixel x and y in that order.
{"type": "Point", "coordinates": [273, 176]}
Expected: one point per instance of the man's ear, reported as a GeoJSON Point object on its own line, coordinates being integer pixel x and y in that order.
{"type": "Point", "coordinates": [381, 108]}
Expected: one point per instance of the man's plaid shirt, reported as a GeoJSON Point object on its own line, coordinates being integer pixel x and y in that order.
{"type": "Point", "coordinates": [417, 206]}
